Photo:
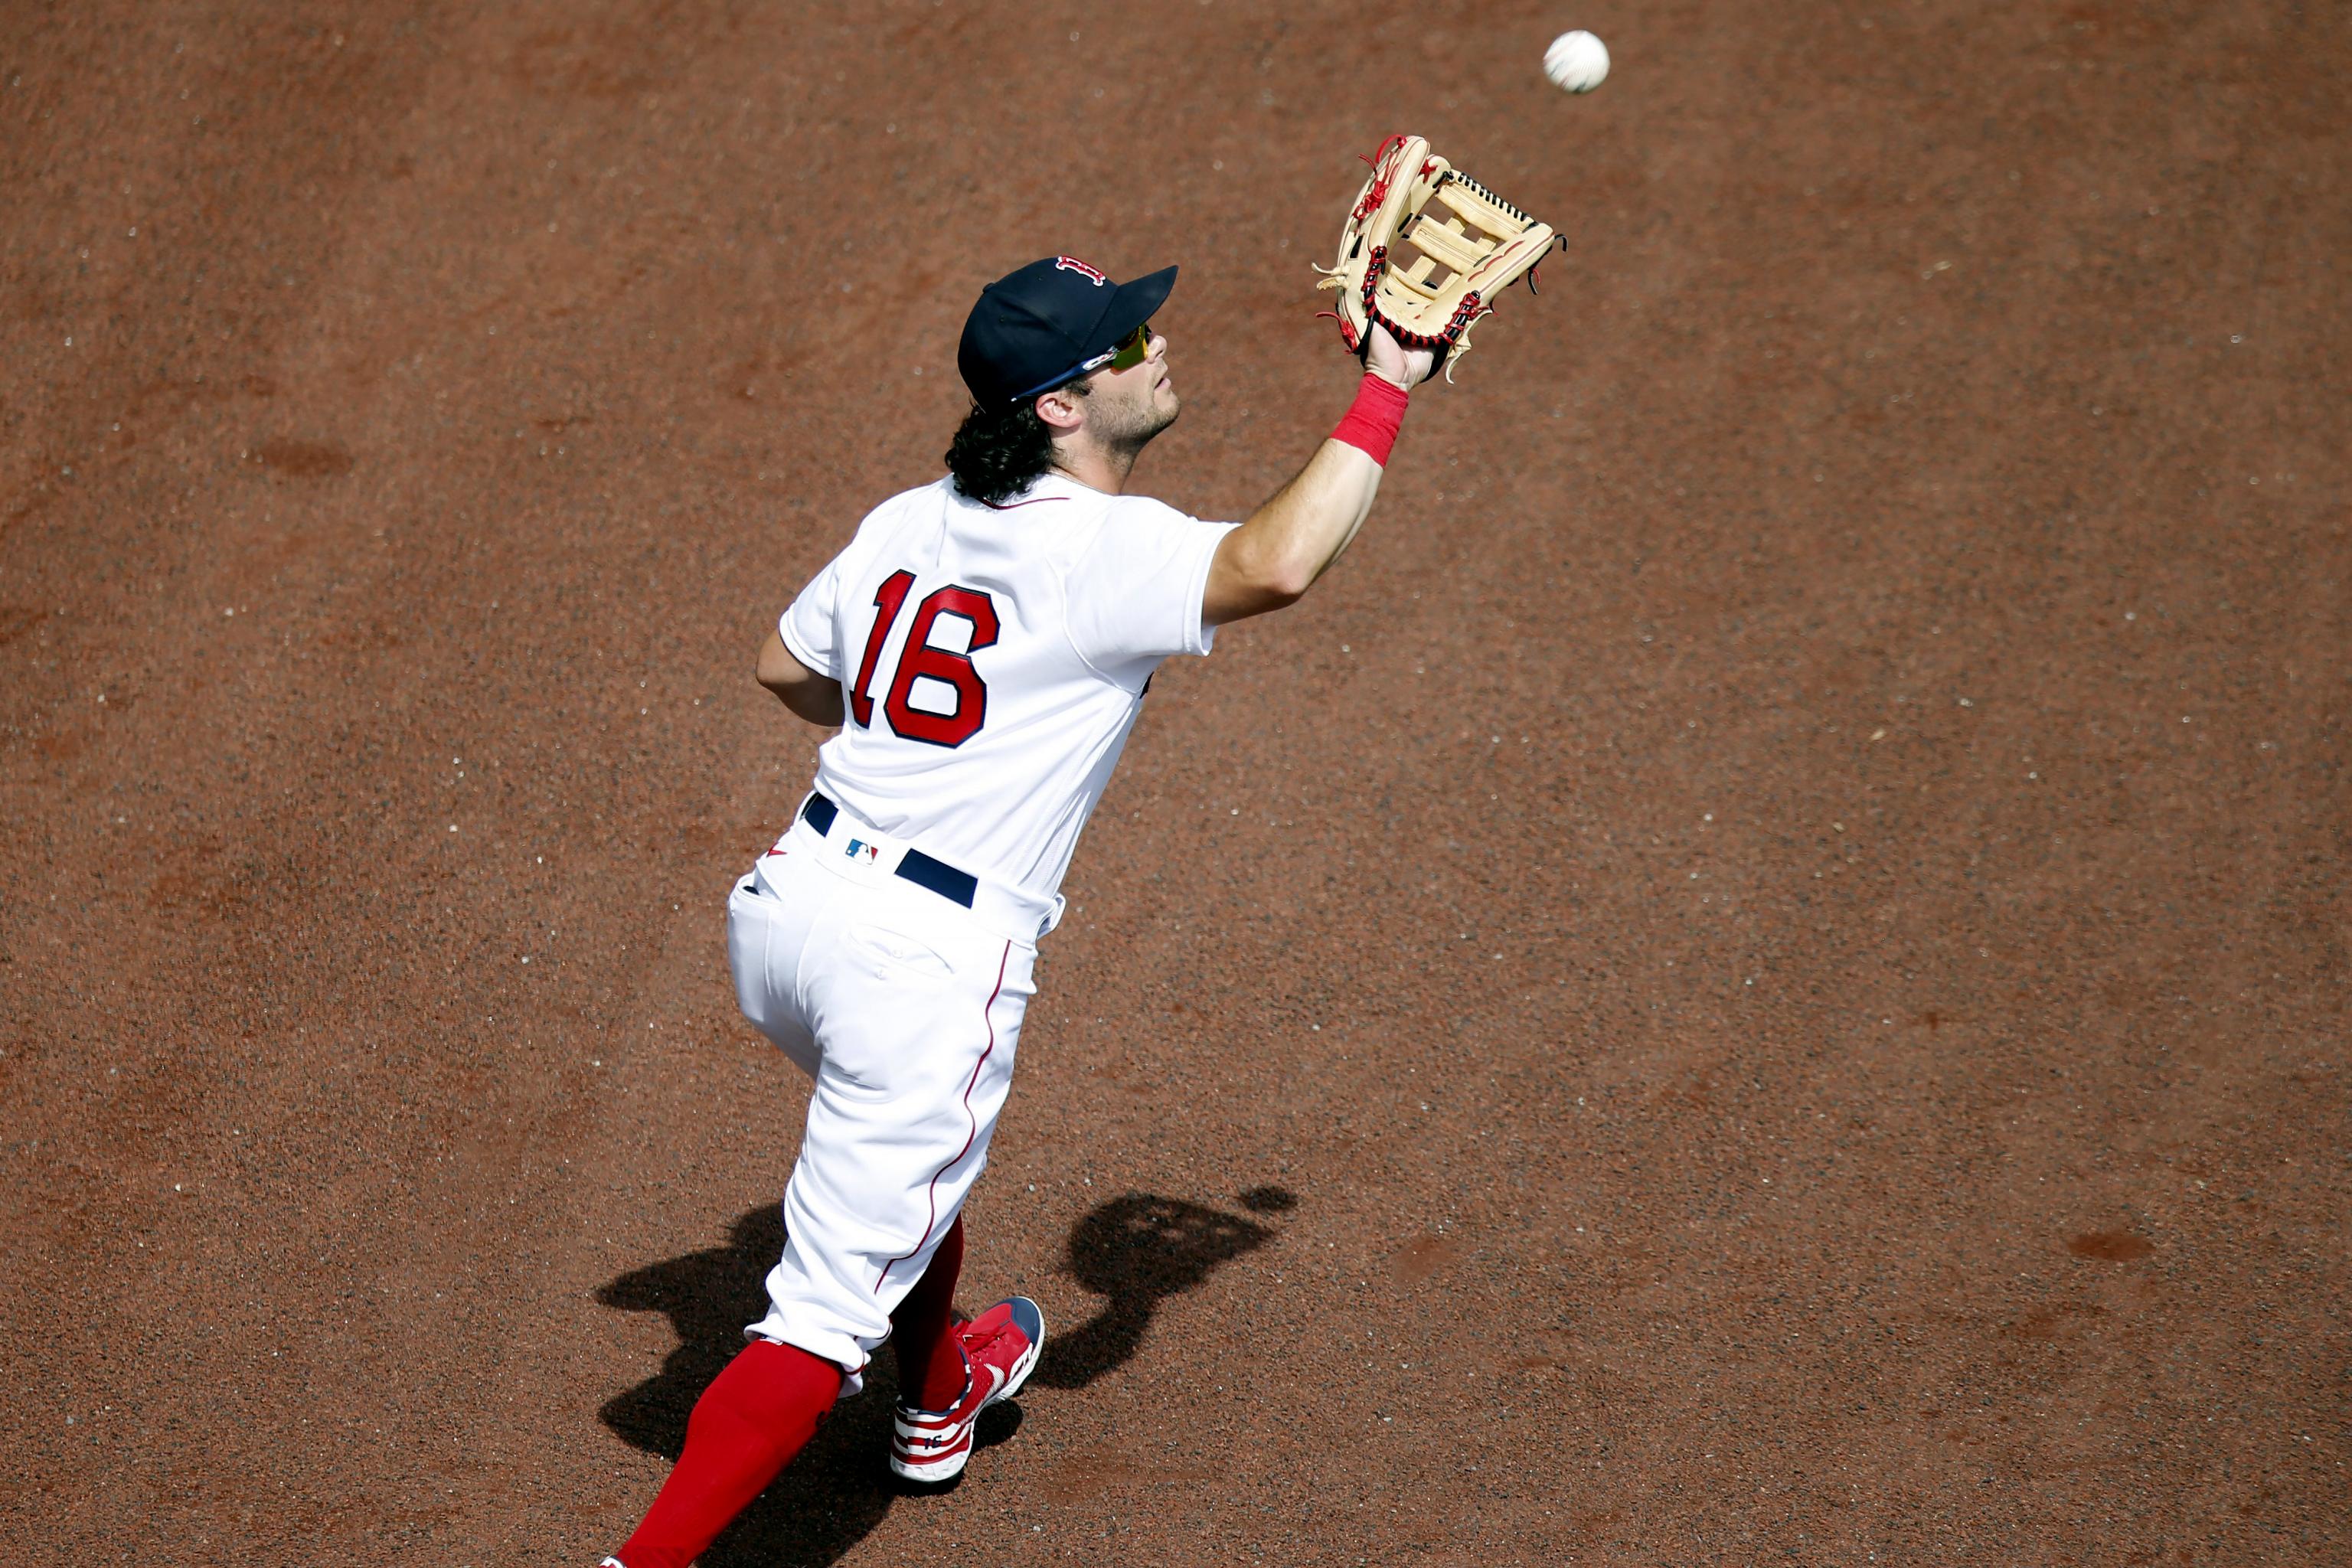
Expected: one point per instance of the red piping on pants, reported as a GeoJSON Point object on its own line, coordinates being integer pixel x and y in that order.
{"type": "Point", "coordinates": [988, 1017]}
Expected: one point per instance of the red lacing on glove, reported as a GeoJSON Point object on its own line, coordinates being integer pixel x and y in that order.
{"type": "Point", "coordinates": [1412, 340]}
{"type": "Point", "coordinates": [1538, 266]}
{"type": "Point", "coordinates": [1469, 310]}
{"type": "Point", "coordinates": [1373, 268]}
{"type": "Point", "coordinates": [1347, 332]}
{"type": "Point", "coordinates": [1376, 192]}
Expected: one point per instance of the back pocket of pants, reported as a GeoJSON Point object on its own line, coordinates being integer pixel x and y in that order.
{"type": "Point", "coordinates": [896, 954]}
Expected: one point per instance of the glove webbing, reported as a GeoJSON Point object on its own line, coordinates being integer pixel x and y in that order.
{"type": "Point", "coordinates": [1470, 309]}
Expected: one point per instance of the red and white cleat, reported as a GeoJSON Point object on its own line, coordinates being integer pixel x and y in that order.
{"type": "Point", "coordinates": [1000, 1350]}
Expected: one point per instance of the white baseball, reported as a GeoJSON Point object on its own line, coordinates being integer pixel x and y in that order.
{"type": "Point", "coordinates": [1577, 61]}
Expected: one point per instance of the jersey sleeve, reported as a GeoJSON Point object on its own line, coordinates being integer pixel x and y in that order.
{"type": "Point", "coordinates": [807, 627]}
{"type": "Point", "coordinates": [1135, 594]}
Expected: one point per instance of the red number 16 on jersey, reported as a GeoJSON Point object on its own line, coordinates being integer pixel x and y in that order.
{"type": "Point", "coordinates": [920, 658]}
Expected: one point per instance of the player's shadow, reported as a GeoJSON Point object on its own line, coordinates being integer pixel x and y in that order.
{"type": "Point", "coordinates": [709, 1296]}
{"type": "Point", "coordinates": [1136, 1250]}
{"type": "Point", "coordinates": [837, 1490]}
{"type": "Point", "coordinates": [1139, 1250]}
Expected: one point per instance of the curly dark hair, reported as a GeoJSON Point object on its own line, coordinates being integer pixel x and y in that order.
{"type": "Point", "coordinates": [999, 453]}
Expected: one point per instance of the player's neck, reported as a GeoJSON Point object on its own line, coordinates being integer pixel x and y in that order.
{"type": "Point", "coordinates": [1094, 466]}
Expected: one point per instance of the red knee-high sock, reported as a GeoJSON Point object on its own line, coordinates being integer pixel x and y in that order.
{"type": "Point", "coordinates": [930, 1372]}
{"type": "Point", "coordinates": [755, 1416]}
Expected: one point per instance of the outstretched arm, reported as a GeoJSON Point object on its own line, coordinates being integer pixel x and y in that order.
{"type": "Point", "coordinates": [809, 694]}
{"type": "Point", "coordinates": [1270, 561]}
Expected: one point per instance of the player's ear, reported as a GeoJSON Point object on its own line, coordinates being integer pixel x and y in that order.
{"type": "Point", "coordinates": [1063, 409]}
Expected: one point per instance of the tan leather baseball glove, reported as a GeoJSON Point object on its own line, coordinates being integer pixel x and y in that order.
{"type": "Point", "coordinates": [1427, 250]}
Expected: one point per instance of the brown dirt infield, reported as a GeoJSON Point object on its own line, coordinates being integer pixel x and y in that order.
{"type": "Point", "coordinates": [1761, 976]}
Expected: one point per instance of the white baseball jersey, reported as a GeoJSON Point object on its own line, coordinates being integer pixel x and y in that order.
{"type": "Point", "coordinates": [993, 660]}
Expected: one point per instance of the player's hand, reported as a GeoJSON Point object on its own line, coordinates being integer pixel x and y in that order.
{"type": "Point", "coordinates": [1395, 363]}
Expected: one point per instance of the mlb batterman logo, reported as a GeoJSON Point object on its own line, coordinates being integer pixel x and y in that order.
{"type": "Point", "coordinates": [860, 851]}
{"type": "Point", "coordinates": [1071, 264]}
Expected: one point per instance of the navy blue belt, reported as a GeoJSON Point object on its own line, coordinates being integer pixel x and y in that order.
{"type": "Point", "coordinates": [956, 887]}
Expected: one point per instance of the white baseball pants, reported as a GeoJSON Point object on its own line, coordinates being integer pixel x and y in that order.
{"type": "Point", "coordinates": [905, 1010]}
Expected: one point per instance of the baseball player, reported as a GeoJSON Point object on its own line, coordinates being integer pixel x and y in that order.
{"type": "Point", "coordinates": [983, 647]}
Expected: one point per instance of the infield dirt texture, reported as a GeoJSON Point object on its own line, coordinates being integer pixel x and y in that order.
{"type": "Point", "coordinates": [1759, 976]}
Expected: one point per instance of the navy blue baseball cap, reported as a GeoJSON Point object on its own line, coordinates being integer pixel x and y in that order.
{"type": "Point", "coordinates": [1049, 323]}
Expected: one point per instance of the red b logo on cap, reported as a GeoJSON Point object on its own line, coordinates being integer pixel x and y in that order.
{"type": "Point", "coordinates": [1071, 264]}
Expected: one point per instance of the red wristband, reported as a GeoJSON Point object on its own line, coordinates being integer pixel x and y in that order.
{"type": "Point", "coordinates": [1371, 421]}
